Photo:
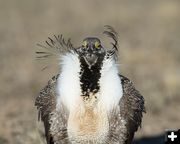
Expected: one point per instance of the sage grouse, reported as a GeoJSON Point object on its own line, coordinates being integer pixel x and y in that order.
{"type": "Point", "coordinates": [89, 101]}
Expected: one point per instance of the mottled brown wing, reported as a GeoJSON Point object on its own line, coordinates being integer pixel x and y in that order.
{"type": "Point", "coordinates": [45, 103]}
{"type": "Point", "coordinates": [131, 107]}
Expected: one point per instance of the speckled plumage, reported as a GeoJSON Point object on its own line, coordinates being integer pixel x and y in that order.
{"type": "Point", "coordinates": [124, 119]}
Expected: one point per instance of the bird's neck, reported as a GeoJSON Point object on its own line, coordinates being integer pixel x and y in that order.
{"type": "Point", "coordinates": [89, 76]}
{"type": "Point", "coordinates": [78, 82]}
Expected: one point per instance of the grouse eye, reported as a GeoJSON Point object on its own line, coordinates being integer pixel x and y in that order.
{"type": "Point", "coordinates": [84, 44]}
{"type": "Point", "coordinates": [97, 44]}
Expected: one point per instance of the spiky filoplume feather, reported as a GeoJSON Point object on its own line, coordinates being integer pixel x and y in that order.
{"type": "Point", "coordinates": [110, 32]}
{"type": "Point", "coordinates": [57, 46]}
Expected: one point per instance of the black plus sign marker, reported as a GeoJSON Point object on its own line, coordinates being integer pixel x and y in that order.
{"type": "Point", "coordinates": [172, 137]}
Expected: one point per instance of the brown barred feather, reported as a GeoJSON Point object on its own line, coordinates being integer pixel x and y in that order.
{"type": "Point", "coordinates": [124, 120]}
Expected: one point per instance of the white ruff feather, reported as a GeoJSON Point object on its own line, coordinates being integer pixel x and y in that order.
{"type": "Point", "coordinates": [69, 90]}
{"type": "Point", "coordinates": [68, 87]}
{"type": "Point", "coordinates": [110, 84]}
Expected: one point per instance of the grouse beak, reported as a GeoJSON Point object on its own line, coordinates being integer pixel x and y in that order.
{"type": "Point", "coordinates": [91, 58]}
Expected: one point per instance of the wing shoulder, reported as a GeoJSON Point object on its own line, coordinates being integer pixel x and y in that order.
{"type": "Point", "coordinates": [45, 101]}
{"type": "Point", "coordinates": [131, 106]}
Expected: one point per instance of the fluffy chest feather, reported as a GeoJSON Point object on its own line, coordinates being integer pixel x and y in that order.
{"type": "Point", "coordinates": [89, 105]}
{"type": "Point", "coordinates": [88, 124]}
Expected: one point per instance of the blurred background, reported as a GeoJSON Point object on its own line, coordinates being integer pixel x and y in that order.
{"type": "Point", "coordinates": [149, 35]}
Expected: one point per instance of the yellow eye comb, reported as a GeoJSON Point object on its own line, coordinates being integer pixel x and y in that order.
{"type": "Point", "coordinates": [85, 43]}
{"type": "Point", "coordinates": [97, 44]}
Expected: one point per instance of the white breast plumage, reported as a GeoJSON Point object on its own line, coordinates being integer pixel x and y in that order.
{"type": "Point", "coordinates": [88, 122]}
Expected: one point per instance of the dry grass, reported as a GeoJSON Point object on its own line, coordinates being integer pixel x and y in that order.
{"type": "Point", "coordinates": [149, 55]}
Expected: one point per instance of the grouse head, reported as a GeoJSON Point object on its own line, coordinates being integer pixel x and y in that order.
{"type": "Point", "coordinates": [90, 50]}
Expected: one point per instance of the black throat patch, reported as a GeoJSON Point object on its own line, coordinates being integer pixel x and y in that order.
{"type": "Point", "coordinates": [89, 76]}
